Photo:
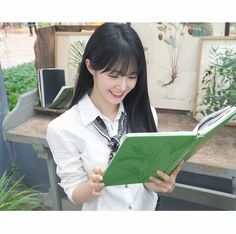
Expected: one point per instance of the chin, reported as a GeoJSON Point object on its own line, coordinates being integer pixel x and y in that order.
{"type": "Point", "coordinates": [115, 102]}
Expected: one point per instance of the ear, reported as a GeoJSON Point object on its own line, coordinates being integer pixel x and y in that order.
{"type": "Point", "coordinates": [89, 67]}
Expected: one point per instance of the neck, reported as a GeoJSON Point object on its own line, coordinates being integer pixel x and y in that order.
{"type": "Point", "coordinates": [107, 109]}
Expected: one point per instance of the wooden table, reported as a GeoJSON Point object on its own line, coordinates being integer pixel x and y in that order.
{"type": "Point", "coordinates": [24, 125]}
{"type": "Point", "coordinates": [216, 158]}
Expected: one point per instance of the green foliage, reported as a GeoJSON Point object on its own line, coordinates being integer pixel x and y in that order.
{"type": "Point", "coordinates": [16, 196]}
{"type": "Point", "coordinates": [219, 80]}
{"type": "Point", "coordinates": [19, 80]}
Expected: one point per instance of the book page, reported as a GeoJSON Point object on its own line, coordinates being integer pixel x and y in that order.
{"type": "Point", "coordinates": [216, 118]}
{"type": "Point", "coordinates": [213, 118]}
{"type": "Point", "coordinates": [149, 134]}
{"type": "Point", "coordinates": [41, 84]}
{"type": "Point", "coordinates": [39, 88]}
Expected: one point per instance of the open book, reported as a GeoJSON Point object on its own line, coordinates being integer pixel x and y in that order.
{"type": "Point", "coordinates": [63, 98]}
{"type": "Point", "coordinates": [142, 154]}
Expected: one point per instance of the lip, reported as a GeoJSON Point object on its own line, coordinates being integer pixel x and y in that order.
{"type": "Point", "coordinates": [117, 95]}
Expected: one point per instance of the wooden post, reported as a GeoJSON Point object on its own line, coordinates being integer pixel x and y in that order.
{"type": "Point", "coordinates": [44, 47]}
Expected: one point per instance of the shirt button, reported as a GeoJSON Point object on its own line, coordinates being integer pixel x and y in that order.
{"type": "Point", "coordinates": [126, 186]}
{"type": "Point", "coordinates": [130, 207]}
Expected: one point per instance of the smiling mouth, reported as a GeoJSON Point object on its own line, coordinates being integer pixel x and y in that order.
{"type": "Point", "coordinates": [116, 95]}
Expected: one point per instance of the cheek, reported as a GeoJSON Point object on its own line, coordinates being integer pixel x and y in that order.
{"type": "Point", "coordinates": [104, 84]}
{"type": "Point", "coordinates": [132, 84]}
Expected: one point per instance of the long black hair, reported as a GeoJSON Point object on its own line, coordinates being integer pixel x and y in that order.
{"type": "Point", "coordinates": [115, 45]}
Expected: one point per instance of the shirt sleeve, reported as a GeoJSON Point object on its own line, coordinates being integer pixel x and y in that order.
{"type": "Point", "coordinates": [154, 113]}
{"type": "Point", "coordinates": [67, 158]}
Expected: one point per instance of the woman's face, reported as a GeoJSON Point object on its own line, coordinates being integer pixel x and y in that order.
{"type": "Point", "coordinates": [111, 87]}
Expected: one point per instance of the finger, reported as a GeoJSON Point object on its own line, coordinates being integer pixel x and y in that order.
{"type": "Point", "coordinates": [101, 171]}
{"type": "Point", "coordinates": [97, 188]}
{"type": "Point", "coordinates": [96, 185]}
{"type": "Point", "coordinates": [163, 186]}
{"type": "Point", "coordinates": [98, 170]}
{"type": "Point", "coordinates": [172, 188]}
{"type": "Point", "coordinates": [164, 176]}
{"type": "Point", "coordinates": [97, 193]}
{"type": "Point", "coordinates": [156, 181]}
{"type": "Point", "coordinates": [96, 178]}
{"type": "Point", "coordinates": [177, 169]}
{"type": "Point", "coordinates": [168, 182]}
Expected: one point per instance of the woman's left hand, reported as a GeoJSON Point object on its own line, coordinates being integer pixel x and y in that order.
{"type": "Point", "coordinates": [166, 183]}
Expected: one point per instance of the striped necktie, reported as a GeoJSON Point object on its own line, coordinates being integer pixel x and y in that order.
{"type": "Point", "coordinates": [113, 142]}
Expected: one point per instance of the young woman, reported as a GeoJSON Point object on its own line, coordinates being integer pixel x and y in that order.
{"type": "Point", "coordinates": [110, 99]}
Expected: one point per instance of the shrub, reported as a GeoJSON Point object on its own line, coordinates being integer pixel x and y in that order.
{"type": "Point", "coordinates": [219, 80]}
{"type": "Point", "coordinates": [19, 80]}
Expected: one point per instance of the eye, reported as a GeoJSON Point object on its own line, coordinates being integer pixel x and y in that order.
{"type": "Point", "coordinates": [113, 76]}
{"type": "Point", "coordinates": [132, 77]}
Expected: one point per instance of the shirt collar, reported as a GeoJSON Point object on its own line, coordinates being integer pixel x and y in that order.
{"type": "Point", "coordinates": [89, 112]}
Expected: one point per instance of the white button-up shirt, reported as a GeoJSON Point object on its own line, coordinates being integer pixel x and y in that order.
{"type": "Point", "coordinates": [77, 148]}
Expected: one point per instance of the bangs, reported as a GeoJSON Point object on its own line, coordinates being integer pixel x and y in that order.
{"type": "Point", "coordinates": [122, 65]}
{"type": "Point", "coordinates": [119, 57]}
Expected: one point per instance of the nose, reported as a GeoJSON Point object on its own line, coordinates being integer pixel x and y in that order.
{"type": "Point", "coordinates": [122, 83]}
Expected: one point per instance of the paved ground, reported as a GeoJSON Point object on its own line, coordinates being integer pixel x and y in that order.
{"type": "Point", "coordinates": [16, 48]}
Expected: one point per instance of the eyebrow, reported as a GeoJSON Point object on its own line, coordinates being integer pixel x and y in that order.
{"type": "Point", "coordinates": [119, 72]}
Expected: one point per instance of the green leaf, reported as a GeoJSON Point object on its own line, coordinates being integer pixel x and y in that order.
{"type": "Point", "coordinates": [16, 196]}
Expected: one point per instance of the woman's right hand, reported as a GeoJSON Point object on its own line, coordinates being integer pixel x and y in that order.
{"type": "Point", "coordinates": [95, 181]}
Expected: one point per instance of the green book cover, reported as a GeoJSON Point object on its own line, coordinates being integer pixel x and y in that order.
{"type": "Point", "coordinates": [142, 154]}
